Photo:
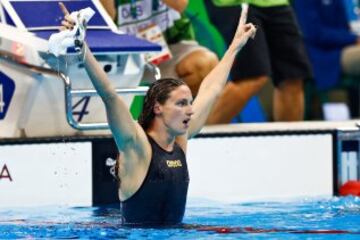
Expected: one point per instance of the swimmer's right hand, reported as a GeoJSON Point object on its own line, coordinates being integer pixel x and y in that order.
{"type": "Point", "coordinates": [68, 22]}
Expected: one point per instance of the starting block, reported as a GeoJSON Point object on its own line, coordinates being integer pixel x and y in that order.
{"type": "Point", "coordinates": [44, 96]}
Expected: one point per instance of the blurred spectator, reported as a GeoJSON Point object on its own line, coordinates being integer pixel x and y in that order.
{"type": "Point", "coordinates": [109, 6]}
{"type": "Point", "coordinates": [277, 52]}
{"type": "Point", "coordinates": [332, 47]}
{"type": "Point", "coordinates": [331, 35]}
{"type": "Point", "coordinates": [189, 61]}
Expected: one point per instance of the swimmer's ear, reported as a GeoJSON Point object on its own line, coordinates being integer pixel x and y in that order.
{"type": "Point", "coordinates": [157, 108]}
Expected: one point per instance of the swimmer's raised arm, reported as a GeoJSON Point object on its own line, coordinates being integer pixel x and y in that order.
{"type": "Point", "coordinates": [125, 130]}
{"type": "Point", "coordinates": [214, 82]}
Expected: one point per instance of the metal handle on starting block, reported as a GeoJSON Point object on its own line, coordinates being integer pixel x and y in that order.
{"type": "Point", "coordinates": [69, 94]}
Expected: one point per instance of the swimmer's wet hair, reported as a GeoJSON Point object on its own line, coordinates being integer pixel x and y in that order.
{"type": "Point", "coordinates": [159, 91]}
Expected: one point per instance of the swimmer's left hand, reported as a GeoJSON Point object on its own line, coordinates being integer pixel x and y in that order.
{"type": "Point", "coordinates": [244, 31]}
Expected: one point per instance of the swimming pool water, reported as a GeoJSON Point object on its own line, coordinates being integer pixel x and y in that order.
{"type": "Point", "coordinates": [334, 218]}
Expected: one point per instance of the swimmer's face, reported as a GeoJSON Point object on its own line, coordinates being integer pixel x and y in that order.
{"type": "Point", "coordinates": [177, 110]}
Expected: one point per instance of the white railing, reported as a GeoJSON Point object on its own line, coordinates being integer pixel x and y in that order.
{"type": "Point", "coordinates": [2, 103]}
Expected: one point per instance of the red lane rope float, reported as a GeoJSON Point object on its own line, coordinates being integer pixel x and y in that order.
{"type": "Point", "coordinates": [196, 227]}
{"type": "Point", "coordinates": [350, 188]}
{"type": "Point", "coordinates": [227, 230]}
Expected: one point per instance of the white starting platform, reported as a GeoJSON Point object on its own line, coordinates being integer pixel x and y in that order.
{"type": "Point", "coordinates": [44, 96]}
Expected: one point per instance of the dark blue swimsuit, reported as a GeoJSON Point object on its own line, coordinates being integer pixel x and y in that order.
{"type": "Point", "coordinates": [161, 198]}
